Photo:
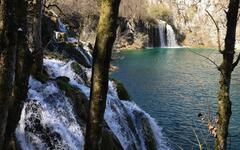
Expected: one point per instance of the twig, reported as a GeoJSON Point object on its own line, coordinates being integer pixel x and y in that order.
{"type": "Point", "coordinates": [218, 31]}
{"type": "Point", "coordinates": [205, 58]}
{"type": "Point", "coordinates": [200, 145]}
{"type": "Point", "coordinates": [236, 62]}
{"type": "Point", "coordinates": [218, 67]}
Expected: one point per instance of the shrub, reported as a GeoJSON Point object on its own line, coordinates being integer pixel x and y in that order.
{"type": "Point", "coordinates": [161, 11]}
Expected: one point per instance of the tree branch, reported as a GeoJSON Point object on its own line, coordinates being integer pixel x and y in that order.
{"type": "Point", "coordinates": [236, 62]}
{"type": "Point", "coordinates": [56, 6]}
{"type": "Point", "coordinates": [214, 63]}
{"type": "Point", "coordinates": [205, 58]}
{"type": "Point", "coordinates": [218, 31]}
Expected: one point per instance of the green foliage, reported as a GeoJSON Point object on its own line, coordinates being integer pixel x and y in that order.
{"type": "Point", "coordinates": [161, 11]}
{"type": "Point", "coordinates": [77, 68]}
{"type": "Point", "coordinates": [192, 12]}
{"type": "Point", "coordinates": [135, 9]}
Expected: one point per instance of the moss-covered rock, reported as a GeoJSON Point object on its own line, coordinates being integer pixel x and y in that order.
{"type": "Point", "coordinates": [79, 70]}
{"type": "Point", "coordinates": [121, 90]}
{"type": "Point", "coordinates": [78, 54]}
{"type": "Point", "coordinates": [79, 100]}
{"type": "Point", "coordinates": [42, 77]}
{"type": "Point", "coordinates": [149, 139]}
{"type": "Point", "coordinates": [109, 141]}
{"type": "Point", "coordinates": [54, 55]}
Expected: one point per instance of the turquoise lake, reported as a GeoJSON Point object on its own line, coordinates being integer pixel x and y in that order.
{"type": "Point", "coordinates": [173, 86]}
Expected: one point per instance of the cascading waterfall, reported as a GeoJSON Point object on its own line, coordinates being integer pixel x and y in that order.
{"type": "Point", "coordinates": [171, 37]}
{"type": "Point", "coordinates": [48, 121]}
{"type": "Point", "coordinates": [162, 35]}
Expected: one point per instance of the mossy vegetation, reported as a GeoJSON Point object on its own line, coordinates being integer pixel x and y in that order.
{"type": "Point", "coordinates": [54, 55]}
{"type": "Point", "coordinates": [78, 70]}
{"type": "Point", "coordinates": [43, 78]}
{"type": "Point", "coordinates": [63, 84]}
{"type": "Point", "coordinates": [78, 99]}
{"type": "Point", "coordinates": [161, 11]}
{"type": "Point", "coordinates": [121, 90]}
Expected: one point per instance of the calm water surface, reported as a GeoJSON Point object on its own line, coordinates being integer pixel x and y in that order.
{"type": "Point", "coordinates": [173, 86]}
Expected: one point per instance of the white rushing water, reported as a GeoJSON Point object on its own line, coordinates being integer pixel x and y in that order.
{"type": "Point", "coordinates": [171, 37]}
{"type": "Point", "coordinates": [166, 36]}
{"type": "Point", "coordinates": [162, 33]}
{"type": "Point", "coordinates": [48, 121]}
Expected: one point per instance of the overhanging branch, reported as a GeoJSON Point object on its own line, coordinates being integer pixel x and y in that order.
{"type": "Point", "coordinates": [213, 62]}
{"type": "Point", "coordinates": [236, 62]}
{"type": "Point", "coordinates": [218, 31]}
{"type": "Point", "coordinates": [205, 58]}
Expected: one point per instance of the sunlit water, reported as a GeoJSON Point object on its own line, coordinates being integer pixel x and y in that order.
{"type": "Point", "coordinates": [173, 86]}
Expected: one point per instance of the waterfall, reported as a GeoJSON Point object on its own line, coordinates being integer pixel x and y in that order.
{"type": "Point", "coordinates": [162, 35]}
{"type": "Point", "coordinates": [171, 38]}
{"type": "Point", "coordinates": [48, 120]}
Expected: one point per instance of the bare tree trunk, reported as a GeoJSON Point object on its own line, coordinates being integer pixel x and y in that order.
{"type": "Point", "coordinates": [7, 61]}
{"type": "Point", "coordinates": [29, 39]}
{"type": "Point", "coordinates": [226, 68]}
{"type": "Point", "coordinates": [106, 34]}
{"type": "Point", "coordinates": [22, 73]}
{"type": "Point", "coordinates": [35, 11]}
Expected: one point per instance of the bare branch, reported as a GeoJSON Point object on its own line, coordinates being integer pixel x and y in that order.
{"type": "Point", "coordinates": [218, 67]}
{"type": "Point", "coordinates": [56, 6]}
{"type": "Point", "coordinates": [205, 58]}
{"type": "Point", "coordinates": [218, 31]}
{"type": "Point", "coordinates": [199, 143]}
{"type": "Point", "coordinates": [236, 62]}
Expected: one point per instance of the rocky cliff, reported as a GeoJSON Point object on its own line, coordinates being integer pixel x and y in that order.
{"type": "Point", "coordinates": [192, 19]}
{"type": "Point", "coordinates": [139, 22]}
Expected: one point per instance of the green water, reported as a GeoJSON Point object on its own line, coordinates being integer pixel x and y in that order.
{"type": "Point", "coordinates": [173, 86]}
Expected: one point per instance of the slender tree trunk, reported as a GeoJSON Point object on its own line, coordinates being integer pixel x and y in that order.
{"type": "Point", "coordinates": [36, 9]}
{"type": "Point", "coordinates": [106, 34]}
{"type": "Point", "coordinates": [226, 68]}
{"type": "Point", "coordinates": [22, 73]}
{"type": "Point", "coordinates": [7, 61]}
{"type": "Point", "coordinates": [29, 40]}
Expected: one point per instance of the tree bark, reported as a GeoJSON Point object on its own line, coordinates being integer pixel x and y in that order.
{"type": "Point", "coordinates": [226, 68]}
{"type": "Point", "coordinates": [22, 73]}
{"type": "Point", "coordinates": [35, 12]}
{"type": "Point", "coordinates": [106, 34]}
{"type": "Point", "coordinates": [29, 40]}
{"type": "Point", "coordinates": [7, 61]}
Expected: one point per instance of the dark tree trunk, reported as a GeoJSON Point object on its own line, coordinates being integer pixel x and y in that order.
{"type": "Point", "coordinates": [35, 11]}
{"type": "Point", "coordinates": [22, 73]}
{"type": "Point", "coordinates": [7, 61]}
{"type": "Point", "coordinates": [226, 68]}
{"type": "Point", "coordinates": [29, 40]}
{"type": "Point", "coordinates": [106, 34]}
